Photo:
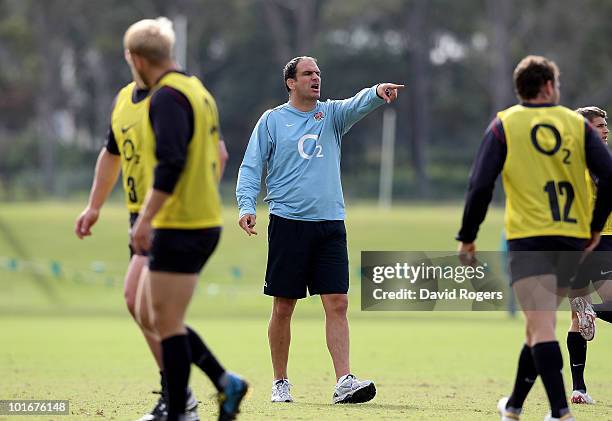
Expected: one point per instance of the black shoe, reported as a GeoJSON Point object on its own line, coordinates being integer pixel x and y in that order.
{"type": "Point", "coordinates": [160, 411]}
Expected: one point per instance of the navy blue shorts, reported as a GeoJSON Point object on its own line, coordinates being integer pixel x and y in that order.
{"type": "Point", "coordinates": [182, 250]}
{"type": "Point", "coordinates": [597, 266]}
{"type": "Point", "coordinates": [545, 255]}
{"type": "Point", "coordinates": [306, 256]}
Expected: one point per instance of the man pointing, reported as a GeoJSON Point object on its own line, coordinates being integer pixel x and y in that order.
{"type": "Point", "coordinates": [299, 142]}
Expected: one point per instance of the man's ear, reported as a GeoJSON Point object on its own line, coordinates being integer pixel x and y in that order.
{"type": "Point", "coordinates": [549, 88]}
{"type": "Point", "coordinates": [136, 60]}
{"type": "Point", "coordinates": [290, 83]}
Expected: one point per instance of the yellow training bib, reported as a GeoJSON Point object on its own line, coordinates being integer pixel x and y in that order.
{"type": "Point", "coordinates": [132, 130]}
{"type": "Point", "coordinates": [195, 201]}
{"type": "Point", "coordinates": [592, 188]}
{"type": "Point", "coordinates": [543, 175]}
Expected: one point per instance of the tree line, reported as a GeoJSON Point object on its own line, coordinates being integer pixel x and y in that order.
{"type": "Point", "coordinates": [62, 64]}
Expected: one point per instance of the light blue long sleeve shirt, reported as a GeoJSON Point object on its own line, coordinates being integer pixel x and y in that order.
{"type": "Point", "coordinates": [302, 153]}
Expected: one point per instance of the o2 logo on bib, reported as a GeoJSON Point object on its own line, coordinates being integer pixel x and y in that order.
{"type": "Point", "coordinates": [309, 150]}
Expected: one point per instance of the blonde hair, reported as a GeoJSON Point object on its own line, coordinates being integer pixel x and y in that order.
{"type": "Point", "coordinates": [152, 39]}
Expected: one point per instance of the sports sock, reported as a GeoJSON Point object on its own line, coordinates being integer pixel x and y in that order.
{"type": "Point", "coordinates": [164, 385]}
{"type": "Point", "coordinates": [526, 375]}
{"type": "Point", "coordinates": [203, 358]}
{"type": "Point", "coordinates": [177, 363]}
{"type": "Point", "coordinates": [549, 363]}
{"type": "Point", "coordinates": [604, 311]}
{"type": "Point", "coordinates": [577, 347]}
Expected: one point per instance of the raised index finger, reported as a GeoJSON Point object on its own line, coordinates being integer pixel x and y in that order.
{"type": "Point", "coordinates": [395, 86]}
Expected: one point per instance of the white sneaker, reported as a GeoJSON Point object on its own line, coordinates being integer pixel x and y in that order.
{"type": "Point", "coordinates": [281, 391]}
{"type": "Point", "coordinates": [586, 317]}
{"type": "Point", "coordinates": [505, 415]}
{"type": "Point", "coordinates": [350, 389]}
{"type": "Point", "coordinates": [580, 397]}
{"type": "Point", "coordinates": [566, 417]}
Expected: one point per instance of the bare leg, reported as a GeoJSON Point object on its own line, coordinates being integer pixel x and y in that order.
{"type": "Point", "coordinates": [337, 331]}
{"type": "Point", "coordinates": [539, 298]}
{"type": "Point", "coordinates": [171, 294]}
{"type": "Point", "coordinates": [136, 300]}
{"type": "Point", "coordinates": [279, 335]}
{"type": "Point", "coordinates": [604, 290]}
{"type": "Point", "coordinates": [145, 316]}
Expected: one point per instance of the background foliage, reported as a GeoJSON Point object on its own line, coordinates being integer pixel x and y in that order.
{"type": "Point", "coordinates": [62, 64]}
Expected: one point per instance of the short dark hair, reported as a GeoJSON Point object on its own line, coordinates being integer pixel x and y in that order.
{"type": "Point", "coordinates": [291, 68]}
{"type": "Point", "coordinates": [531, 74]}
{"type": "Point", "coordinates": [591, 112]}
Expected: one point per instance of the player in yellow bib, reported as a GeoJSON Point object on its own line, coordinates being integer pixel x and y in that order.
{"type": "Point", "coordinates": [130, 132]}
{"type": "Point", "coordinates": [596, 268]}
{"type": "Point", "coordinates": [542, 151]}
{"type": "Point", "coordinates": [180, 221]}
{"type": "Point", "coordinates": [125, 152]}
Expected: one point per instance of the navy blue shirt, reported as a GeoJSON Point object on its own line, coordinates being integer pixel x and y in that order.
{"type": "Point", "coordinates": [171, 117]}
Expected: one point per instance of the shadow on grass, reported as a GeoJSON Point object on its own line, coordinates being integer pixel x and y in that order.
{"type": "Point", "coordinates": [360, 407]}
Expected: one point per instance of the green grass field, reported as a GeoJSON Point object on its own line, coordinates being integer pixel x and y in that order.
{"type": "Point", "coordinates": [66, 335]}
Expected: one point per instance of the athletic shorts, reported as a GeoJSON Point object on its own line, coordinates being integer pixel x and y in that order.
{"type": "Point", "coordinates": [546, 255]}
{"type": "Point", "coordinates": [597, 265]}
{"type": "Point", "coordinates": [306, 255]}
{"type": "Point", "coordinates": [133, 218]}
{"type": "Point", "coordinates": [182, 250]}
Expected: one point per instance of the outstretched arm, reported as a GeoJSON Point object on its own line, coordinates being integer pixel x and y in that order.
{"type": "Point", "coordinates": [350, 111]}
{"type": "Point", "coordinates": [388, 91]}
